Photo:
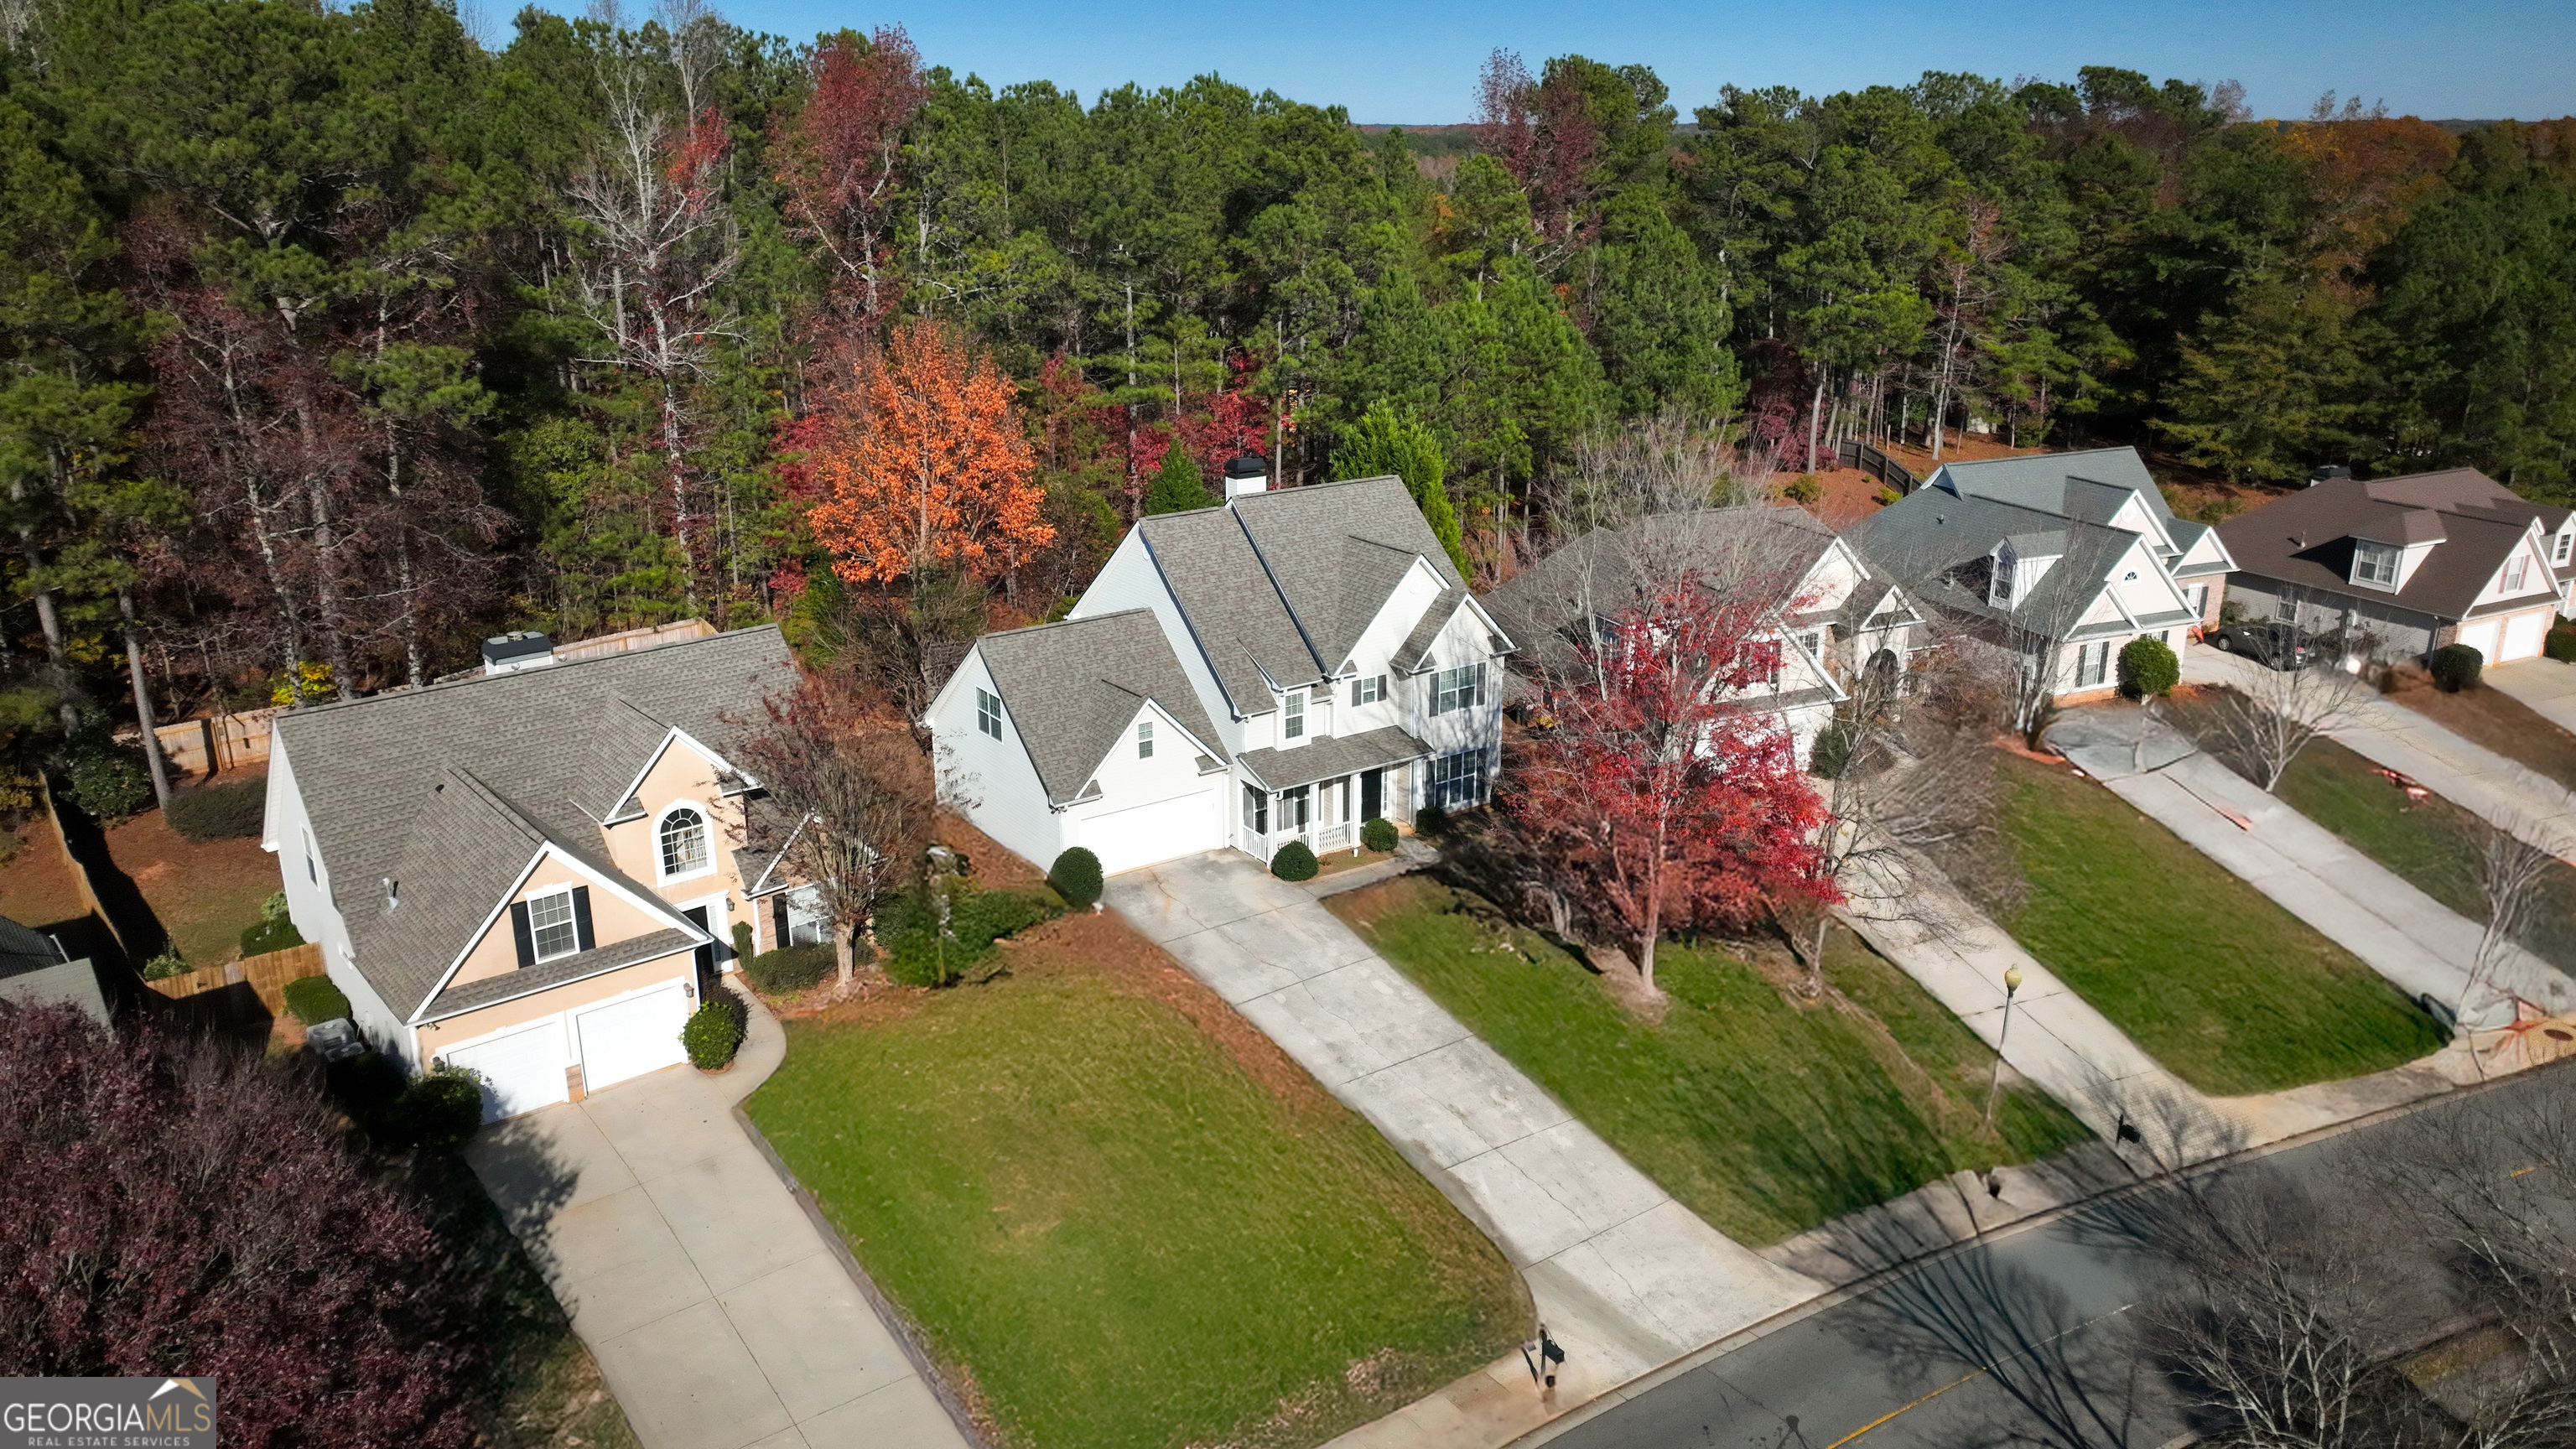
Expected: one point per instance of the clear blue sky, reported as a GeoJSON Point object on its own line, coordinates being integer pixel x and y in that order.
{"type": "Point", "coordinates": [1413, 62]}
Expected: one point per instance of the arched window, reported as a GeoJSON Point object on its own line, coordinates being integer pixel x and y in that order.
{"type": "Point", "coordinates": [684, 842]}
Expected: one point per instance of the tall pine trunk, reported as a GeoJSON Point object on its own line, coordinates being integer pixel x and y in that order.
{"type": "Point", "coordinates": [143, 700]}
{"type": "Point", "coordinates": [48, 617]}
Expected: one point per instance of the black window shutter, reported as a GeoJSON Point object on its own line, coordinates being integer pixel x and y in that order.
{"type": "Point", "coordinates": [778, 921]}
{"type": "Point", "coordinates": [1480, 684]}
{"type": "Point", "coordinates": [581, 918]}
{"type": "Point", "coordinates": [519, 932]}
{"type": "Point", "coordinates": [1355, 694]}
{"type": "Point", "coordinates": [1381, 686]}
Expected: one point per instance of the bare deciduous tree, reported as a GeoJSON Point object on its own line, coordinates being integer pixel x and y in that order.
{"type": "Point", "coordinates": [2272, 714]}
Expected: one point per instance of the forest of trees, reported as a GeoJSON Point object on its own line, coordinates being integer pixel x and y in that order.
{"type": "Point", "coordinates": [336, 341]}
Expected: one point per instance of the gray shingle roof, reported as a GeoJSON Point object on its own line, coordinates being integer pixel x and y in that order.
{"type": "Point", "coordinates": [1929, 539]}
{"type": "Point", "coordinates": [2088, 485]}
{"type": "Point", "coordinates": [1071, 689]}
{"type": "Point", "coordinates": [451, 789]}
{"type": "Point", "coordinates": [1277, 587]}
{"type": "Point", "coordinates": [1327, 757]}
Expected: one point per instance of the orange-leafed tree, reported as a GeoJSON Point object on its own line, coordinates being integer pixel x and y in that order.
{"type": "Point", "coordinates": [923, 464]}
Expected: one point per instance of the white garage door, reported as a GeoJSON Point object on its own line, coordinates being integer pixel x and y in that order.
{"type": "Point", "coordinates": [2482, 638]}
{"type": "Point", "coordinates": [521, 1071]}
{"type": "Point", "coordinates": [631, 1037]}
{"type": "Point", "coordinates": [2523, 634]}
{"type": "Point", "coordinates": [1164, 830]}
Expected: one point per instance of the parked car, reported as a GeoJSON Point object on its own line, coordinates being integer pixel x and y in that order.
{"type": "Point", "coordinates": [2277, 645]}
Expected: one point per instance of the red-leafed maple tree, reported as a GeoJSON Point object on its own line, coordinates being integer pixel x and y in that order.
{"type": "Point", "coordinates": [922, 463]}
{"type": "Point", "coordinates": [838, 158]}
{"type": "Point", "coordinates": [1669, 803]}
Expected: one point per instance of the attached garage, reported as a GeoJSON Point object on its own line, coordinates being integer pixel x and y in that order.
{"type": "Point", "coordinates": [2524, 634]}
{"type": "Point", "coordinates": [1149, 834]}
{"type": "Point", "coordinates": [631, 1037]}
{"type": "Point", "coordinates": [2480, 635]}
{"type": "Point", "coordinates": [522, 1069]}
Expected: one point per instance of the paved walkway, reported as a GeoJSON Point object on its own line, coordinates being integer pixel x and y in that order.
{"type": "Point", "coordinates": [2546, 685]}
{"type": "Point", "coordinates": [2533, 806]}
{"type": "Point", "coordinates": [719, 1316]}
{"type": "Point", "coordinates": [1625, 1277]}
{"type": "Point", "coordinates": [2419, 944]}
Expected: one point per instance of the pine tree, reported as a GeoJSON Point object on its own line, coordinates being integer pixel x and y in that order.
{"type": "Point", "coordinates": [1385, 442]}
{"type": "Point", "coordinates": [1177, 487]}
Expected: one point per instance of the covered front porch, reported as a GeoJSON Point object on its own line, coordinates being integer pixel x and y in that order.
{"type": "Point", "coordinates": [1323, 791]}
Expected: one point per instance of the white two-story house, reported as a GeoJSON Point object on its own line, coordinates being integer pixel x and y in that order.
{"type": "Point", "coordinates": [1284, 666]}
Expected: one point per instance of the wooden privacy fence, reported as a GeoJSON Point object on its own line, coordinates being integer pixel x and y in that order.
{"type": "Point", "coordinates": [248, 992]}
{"type": "Point", "coordinates": [1852, 453]}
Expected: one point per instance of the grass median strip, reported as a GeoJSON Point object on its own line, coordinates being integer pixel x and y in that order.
{"type": "Point", "coordinates": [1124, 1214]}
{"type": "Point", "coordinates": [1763, 1115]}
{"type": "Point", "coordinates": [2228, 990]}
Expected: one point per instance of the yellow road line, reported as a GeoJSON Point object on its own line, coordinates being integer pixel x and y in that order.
{"type": "Point", "coordinates": [1981, 1372]}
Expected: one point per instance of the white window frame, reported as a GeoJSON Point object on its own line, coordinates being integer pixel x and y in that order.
{"type": "Point", "coordinates": [1144, 739]}
{"type": "Point", "coordinates": [2517, 570]}
{"type": "Point", "coordinates": [1368, 689]}
{"type": "Point", "coordinates": [1999, 579]}
{"type": "Point", "coordinates": [1456, 780]}
{"type": "Point", "coordinates": [706, 837]}
{"type": "Point", "coordinates": [1457, 689]}
{"type": "Point", "coordinates": [2092, 669]}
{"type": "Point", "coordinates": [988, 712]}
{"type": "Point", "coordinates": [1292, 720]}
{"type": "Point", "coordinates": [2563, 546]}
{"type": "Point", "coordinates": [2370, 560]}
{"type": "Point", "coordinates": [570, 925]}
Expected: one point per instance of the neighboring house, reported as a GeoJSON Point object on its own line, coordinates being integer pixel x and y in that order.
{"type": "Point", "coordinates": [35, 970]}
{"type": "Point", "coordinates": [1834, 618]}
{"type": "Point", "coordinates": [1280, 667]}
{"type": "Point", "coordinates": [2058, 558]}
{"type": "Point", "coordinates": [2410, 563]}
{"type": "Point", "coordinates": [534, 873]}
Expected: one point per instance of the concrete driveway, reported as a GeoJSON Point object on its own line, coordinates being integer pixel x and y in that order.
{"type": "Point", "coordinates": [1623, 1275]}
{"type": "Point", "coordinates": [2546, 685]}
{"type": "Point", "coordinates": [720, 1317]}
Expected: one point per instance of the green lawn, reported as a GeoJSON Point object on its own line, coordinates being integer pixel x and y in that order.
{"type": "Point", "coordinates": [1123, 1229]}
{"type": "Point", "coordinates": [2433, 844]}
{"type": "Point", "coordinates": [1764, 1117]}
{"type": "Point", "coordinates": [2225, 988]}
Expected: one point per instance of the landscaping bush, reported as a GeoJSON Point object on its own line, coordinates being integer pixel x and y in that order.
{"type": "Point", "coordinates": [440, 1110]}
{"type": "Point", "coordinates": [1431, 820]}
{"type": "Point", "coordinates": [983, 917]}
{"type": "Point", "coordinates": [1832, 753]}
{"type": "Point", "coordinates": [1378, 835]}
{"type": "Point", "coordinates": [2457, 666]}
{"type": "Point", "coordinates": [105, 779]}
{"type": "Point", "coordinates": [742, 949]}
{"type": "Point", "coordinates": [2148, 667]}
{"type": "Point", "coordinates": [1293, 862]}
{"type": "Point", "coordinates": [917, 952]}
{"type": "Point", "coordinates": [789, 968]}
{"type": "Point", "coordinates": [715, 1031]}
{"type": "Point", "coordinates": [164, 966]}
{"type": "Point", "coordinates": [220, 812]}
{"type": "Point", "coordinates": [2561, 645]}
{"type": "Point", "coordinates": [1076, 877]}
{"type": "Point", "coordinates": [1803, 489]}
{"type": "Point", "coordinates": [314, 999]}
{"type": "Point", "coordinates": [273, 931]}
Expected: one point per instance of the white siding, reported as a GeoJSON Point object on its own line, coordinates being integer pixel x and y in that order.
{"type": "Point", "coordinates": [1131, 581]}
{"type": "Point", "coordinates": [309, 904]}
{"type": "Point", "coordinates": [991, 780]}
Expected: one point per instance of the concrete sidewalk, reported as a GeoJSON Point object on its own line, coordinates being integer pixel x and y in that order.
{"type": "Point", "coordinates": [720, 1317]}
{"type": "Point", "coordinates": [2546, 685]}
{"type": "Point", "coordinates": [2534, 807]}
{"type": "Point", "coordinates": [1625, 1277]}
{"type": "Point", "coordinates": [2421, 946]}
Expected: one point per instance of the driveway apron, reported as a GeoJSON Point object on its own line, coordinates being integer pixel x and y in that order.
{"type": "Point", "coordinates": [1624, 1276]}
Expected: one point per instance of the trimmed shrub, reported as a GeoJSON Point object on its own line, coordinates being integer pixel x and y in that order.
{"type": "Point", "coordinates": [273, 931]}
{"type": "Point", "coordinates": [439, 1110]}
{"type": "Point", "coordinates": [986, 916]}
{"type": "Point", "coordinates": [105, 779]}
{"type": "Point", "coordinates": [789, 968]}
{"type": "Point", "coordinates": [1076, 877]}
{"type": "Point", "coordinates": [1803, 489]}
{"type": "Point", "coordinates": [1431, 820]}
{"type": "Point", "coordinates": [166, 965]}
{"type": "Point", "coordinates": [715, 1031]}
{"type": "Point", "coordinates": [2561, 644]}
{"type": "Point", "coordinates": [220, 812]}
{"type": "Point", "coordinates": [2457, 666]}
{"type": "Point", "coordinates": [2148, 667]}
{"type": "Point", "coordinates": [1832, 753]}
{"type": "Point", "coordinates": [1378, 835]}
{"type": "Point", "coordinates": [314, 999]}
{"type": "Point", "coordinates": [1293, 862]}
{"type": "Point", "coordinates": [919, 953]}
{"type": "Point", "coordinates": [742, 941]}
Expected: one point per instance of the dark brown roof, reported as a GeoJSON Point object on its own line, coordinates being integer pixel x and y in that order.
{"type": "Point", "coordinates": [2306, 538]}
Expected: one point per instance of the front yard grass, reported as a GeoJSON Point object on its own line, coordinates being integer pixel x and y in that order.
{"type": "Point", "coordinates": [1763, 1116]}
{"type": "Point", "coordinates": [1121, 1216]}
{"type": "Point", "coordinates": [2227, 989]}
{"type": "Point", "coordinates": [2495, 719]}
{"type": "Point", "coordinates": [2434, 844]}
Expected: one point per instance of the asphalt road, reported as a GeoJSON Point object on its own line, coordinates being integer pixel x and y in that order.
{"type": "Point", "coordinates": [2027, 1339]}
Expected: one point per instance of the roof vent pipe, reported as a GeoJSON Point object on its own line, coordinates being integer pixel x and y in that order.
{"type": "Point", "coordinates": [1246, 473]}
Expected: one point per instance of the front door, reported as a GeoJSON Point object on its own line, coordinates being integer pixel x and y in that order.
{"type": "Point", "coordinates": [697, 915]}
{"type": "Point", "coordinates": [1372, 794]}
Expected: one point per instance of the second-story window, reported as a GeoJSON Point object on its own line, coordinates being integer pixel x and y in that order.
{"type": "Point", "coordinates": [988, 713]}
{"type": "Point", "coordinates": [2374, 563]}
{"type": "Point", "coordinates": [2566, 544]}
{"type": "Point", "coordinates": [550, 925]}
{"type": "Point", "coordinates": [684, 842]}
{"type": "Point", "coordinates": [1459, 688]}
{"type": "Point", "coordinates": [1294, 724]}
{"type": "Point", "coordinates": [1144, 739]}
{"type": "Point", "coordinates": [2516, 570]}
{"type": "Point", "coordinates": [1369, 690]}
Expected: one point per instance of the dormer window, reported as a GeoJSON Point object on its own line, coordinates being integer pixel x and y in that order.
{"type": "Point", "coordinates": [1294, 726]}
{"type": "Point", "coordinates": [2566, 545]}
{"type": "Point", "coordinates": [2374, 564]}
{"type": "Point", "coordinates": [682, 836]}
{"type": "Point", "coordinates": [1999, 588]}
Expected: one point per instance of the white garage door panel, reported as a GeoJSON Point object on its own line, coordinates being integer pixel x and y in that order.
{"type": "Point", "coordinates": [1165, 830]}
{"type": "Point", "coordinates": [631, 1037]}
{"type": "Point", "coordinates": [2482, 638]}
{"type": "Point", "coordinates": [521, 1072]}
{"type": "Point", "coordinates": [2523, 635]}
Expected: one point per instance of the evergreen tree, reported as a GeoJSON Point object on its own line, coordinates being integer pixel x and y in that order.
{"type": "Point", "coordinates": [1177, 486]}
{"type": "Point", "coordinates": [1383, 443]}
